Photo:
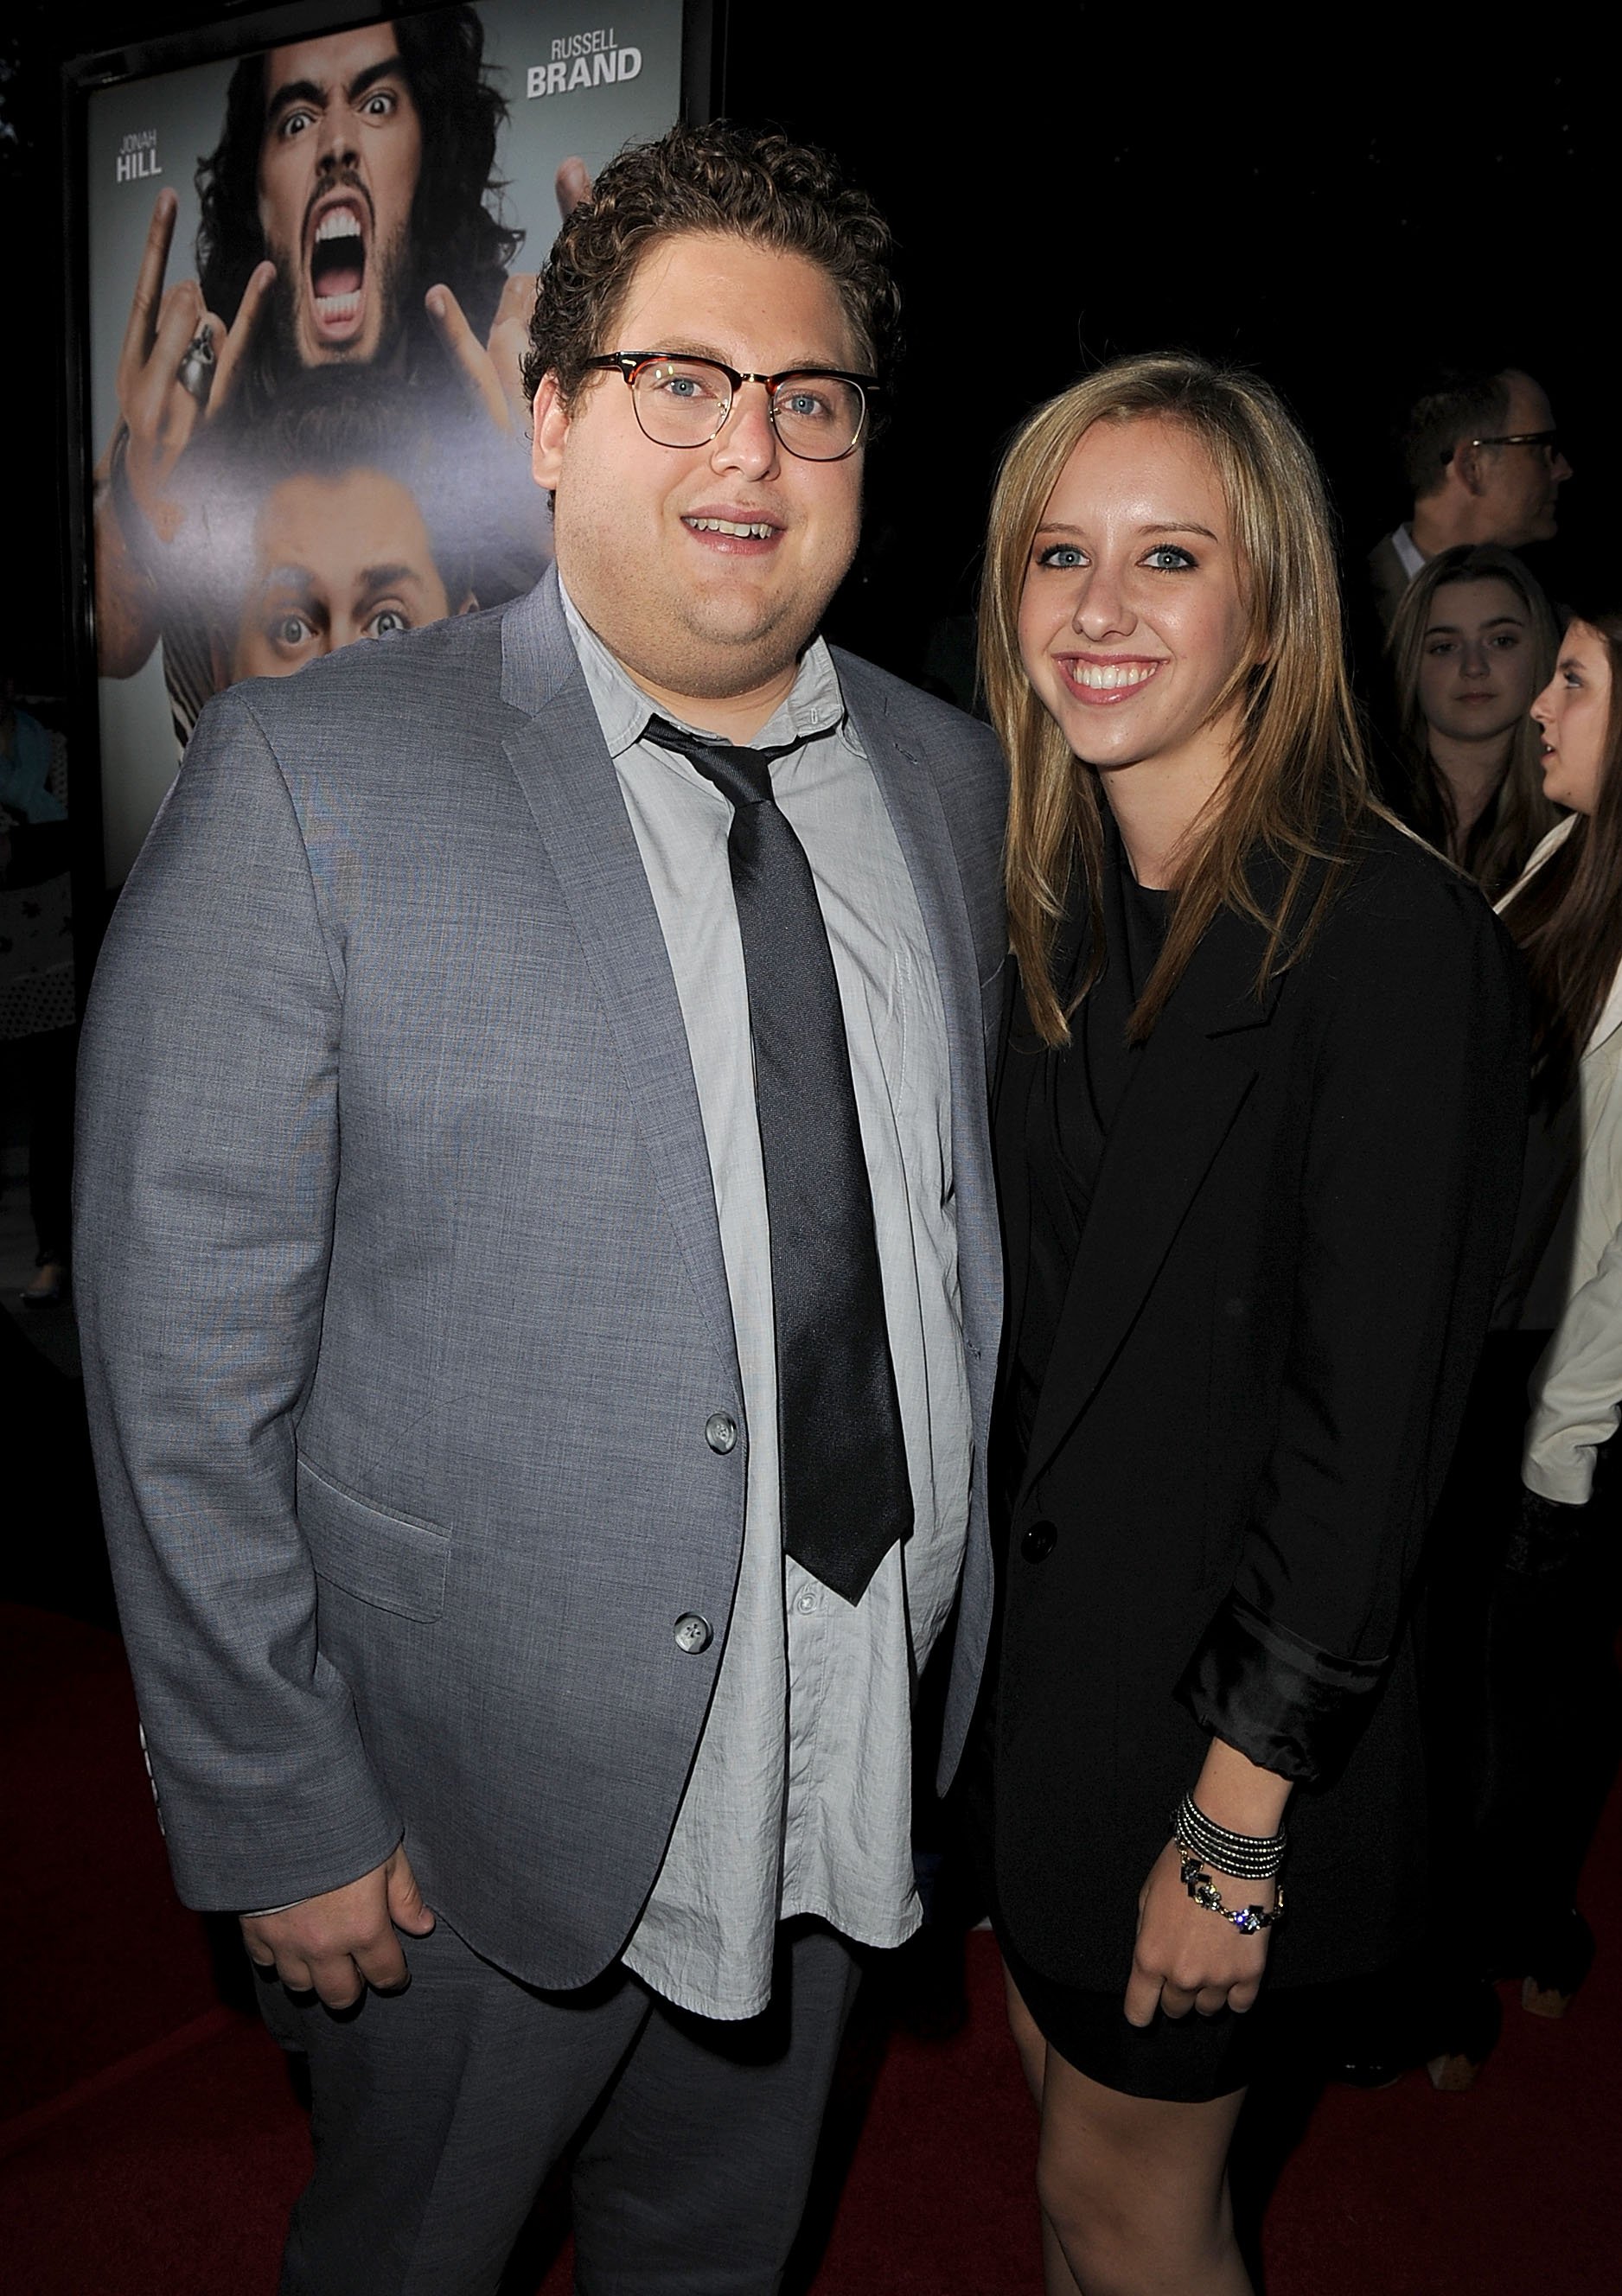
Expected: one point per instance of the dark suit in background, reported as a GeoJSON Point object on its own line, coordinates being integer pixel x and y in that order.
{"type": "Point", "coordinates": [1389, 577]}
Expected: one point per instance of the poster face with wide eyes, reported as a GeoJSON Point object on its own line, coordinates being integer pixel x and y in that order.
{"type": "Point", "coordinates": [310, 273]}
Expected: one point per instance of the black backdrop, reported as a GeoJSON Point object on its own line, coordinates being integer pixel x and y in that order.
{"type": "Point", "coordinates": [1340, 200]}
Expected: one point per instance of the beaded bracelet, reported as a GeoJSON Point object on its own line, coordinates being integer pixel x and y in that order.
{"type": "Point", "coordinates": [1249, 1856]}
{"type": "Point", "coordinates": [1248, 1919]}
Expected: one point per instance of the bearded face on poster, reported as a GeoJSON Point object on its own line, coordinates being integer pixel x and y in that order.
{"type": "Point", "coordinates": [348, 224]}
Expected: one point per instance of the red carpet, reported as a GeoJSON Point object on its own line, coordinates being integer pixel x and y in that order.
{"type": "Point", "coordinates": [149, 2141]}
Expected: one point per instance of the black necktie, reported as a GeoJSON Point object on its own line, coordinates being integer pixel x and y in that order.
{"type": "Point", "coordinates": [845, 1494]}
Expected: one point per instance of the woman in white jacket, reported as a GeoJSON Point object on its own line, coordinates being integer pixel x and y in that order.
{"type": "Point", "coordinates": [1554, 1703]}
{"type": "Point", "coordinates": [1567, 915]}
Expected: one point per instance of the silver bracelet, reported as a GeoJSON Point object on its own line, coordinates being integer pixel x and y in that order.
{"type": "Point", "coordinates": [1248, 1919]}
{"type": "Point", "coordinates": [1249, 1856]}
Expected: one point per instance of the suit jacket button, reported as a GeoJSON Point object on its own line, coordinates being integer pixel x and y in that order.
{"type": "Point", "coordinates": [693, 1634]}
{"type": "Point", "coordinates": [1037, 1541]}
{"type": "Point", "coordinates": [720, 1431]}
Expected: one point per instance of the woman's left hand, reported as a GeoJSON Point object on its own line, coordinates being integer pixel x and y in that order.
{"type": "Point", "coordinates": [1188, 1957]}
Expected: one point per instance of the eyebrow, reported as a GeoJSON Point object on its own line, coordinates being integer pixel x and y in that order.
{"type": "Point", "coordinates": [691, 349]}
{"type": "Point", "coordinates": [287, 578]}
{"type": "Point", "coordinates": [1493, 622]}
{"type": "Point", "coordinates": [1157, 526]}
{"type": "Point", "coordinates": [302, 580]}
{"type": "Point", "coordinates": [310, 91]}
{"type": "Point", "coordinates": [390, 577]}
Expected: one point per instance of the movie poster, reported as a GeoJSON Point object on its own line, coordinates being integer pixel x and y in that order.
{"type": "Point", "coordinates": [310, 276]}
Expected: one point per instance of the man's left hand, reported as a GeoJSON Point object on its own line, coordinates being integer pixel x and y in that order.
{"type": "Point", "coordinates": [337, 1944]}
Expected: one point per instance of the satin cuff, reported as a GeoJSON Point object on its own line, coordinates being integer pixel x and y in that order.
{"type": "Point", "coordinates": [1290, 1707]}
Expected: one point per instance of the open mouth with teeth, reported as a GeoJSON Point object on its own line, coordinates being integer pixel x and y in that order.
{"type": "Point", "coordinates": [338, 272]}
{"type": "Point", "coordinates": [1107, 681]}
{"type": "Point", "coordinates": [732, 535]}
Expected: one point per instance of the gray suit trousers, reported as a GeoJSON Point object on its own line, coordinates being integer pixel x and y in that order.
{"type": "Point", "coordinates": [439, 2111]}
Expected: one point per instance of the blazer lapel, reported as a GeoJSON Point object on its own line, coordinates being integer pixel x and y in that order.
{"type": "Point", "coordinates": [1010, 1118]}
{"type": "Point", "coordinates": [1192, 1079]}
{"type": "Point", "coordinates": [568, 779]}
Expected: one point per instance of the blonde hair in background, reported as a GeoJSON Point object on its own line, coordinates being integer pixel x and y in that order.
{"type": "Point", "coordinates": [1297, 766]}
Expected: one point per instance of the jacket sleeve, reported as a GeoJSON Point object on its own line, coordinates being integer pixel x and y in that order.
{"type": "Point", "coordinates": [1576, 1388]}
{"type": "Point", "coordinates": [207, 1166]}
{"type": "Point", "coordinates": [1410, 1172]}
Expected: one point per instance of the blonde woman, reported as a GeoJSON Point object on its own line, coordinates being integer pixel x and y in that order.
{"type": "Point", "coordinates": [1259, 1123]}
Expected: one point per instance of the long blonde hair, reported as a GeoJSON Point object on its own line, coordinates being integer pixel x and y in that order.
{"type": "Point", "coordinates": [1298, 767]}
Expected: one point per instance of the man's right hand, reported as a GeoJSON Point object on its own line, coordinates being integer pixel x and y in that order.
{"type": "Point", "coordinates": [159, 414]}
{"type": "Point", "coordinates": [341, 1942]}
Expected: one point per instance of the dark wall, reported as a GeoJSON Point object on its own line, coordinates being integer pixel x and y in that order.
{"type": "Point", "coordinates": [1340, 201]}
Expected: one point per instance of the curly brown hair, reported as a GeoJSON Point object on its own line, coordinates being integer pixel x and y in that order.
{"type": "Point", "coordinates": [736, 182]}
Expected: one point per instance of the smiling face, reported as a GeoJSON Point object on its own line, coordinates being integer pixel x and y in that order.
{"type": "Point", "coordinates": [338, 170]}
{"type": "Point", "coordinates": [336, 560]}
{"type": "Point", "coordinates": [705, 570]}
{"type": "Point", "coordinates": [1574, 712]}
{"type": "Point", "coordinates": [1132, 618]}
{"type": "Point", "coordinates": [1477, 667]}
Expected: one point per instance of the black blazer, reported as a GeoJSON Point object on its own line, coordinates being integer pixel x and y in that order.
{"type": "Point", "coordinates": [1387, 580]}
{"type": "Point", "coordinates": [1303, 1209]}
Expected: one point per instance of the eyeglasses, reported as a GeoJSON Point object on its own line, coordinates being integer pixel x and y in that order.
{"type": "Point", "coordinates": [816, 413]}
{"type": "Point", "coordinates": [1548, 440]}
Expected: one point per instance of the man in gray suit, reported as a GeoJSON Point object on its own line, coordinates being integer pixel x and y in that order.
{"type": "Point", "coordinates": [540, 1292]}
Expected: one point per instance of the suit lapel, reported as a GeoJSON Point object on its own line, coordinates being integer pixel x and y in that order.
{"type": "Point", "coordinates": [908, 783]}
{"type": "Point", "coordinates": [913, 801]}
{"type": "Point", "coordinates": [568, 779]}
{"type": "Point", "coordinates": [1192, 1079]}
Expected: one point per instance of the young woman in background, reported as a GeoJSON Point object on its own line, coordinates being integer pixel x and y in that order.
{"type": "Point", "coordinates": [1472, 642]}
{"type": "Point", "coordinates": [1555, 1740]}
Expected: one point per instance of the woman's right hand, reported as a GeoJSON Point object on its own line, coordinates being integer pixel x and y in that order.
{"type": "Point", "coordinates": [1186, 1956]}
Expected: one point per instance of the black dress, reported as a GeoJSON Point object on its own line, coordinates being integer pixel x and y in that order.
{"type": "Point", "coordinates": [1074, 1093]}
{"type": "Point", "coordinates": [1250, 1266]}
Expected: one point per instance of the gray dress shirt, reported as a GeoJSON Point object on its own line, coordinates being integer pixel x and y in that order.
{"type": "Point", "coordinates": [800, 1799]}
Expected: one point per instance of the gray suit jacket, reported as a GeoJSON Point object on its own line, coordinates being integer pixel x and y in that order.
{"type": "Point", "coordinates": [401, 1288]}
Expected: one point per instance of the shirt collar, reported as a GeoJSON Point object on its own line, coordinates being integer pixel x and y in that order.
{"type": "Point", "coordinates": [814, 705]}
{"type": "Point", "coordinates": [1408, 551]}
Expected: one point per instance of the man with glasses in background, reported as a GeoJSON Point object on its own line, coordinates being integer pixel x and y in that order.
{"type": "Point", "coordinates": [1483, 457]}
{"type": "Point", "coordinates": [554, 1047]}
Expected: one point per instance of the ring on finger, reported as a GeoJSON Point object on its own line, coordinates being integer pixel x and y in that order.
{"type": "Point", "coordinates": [195, 372]}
